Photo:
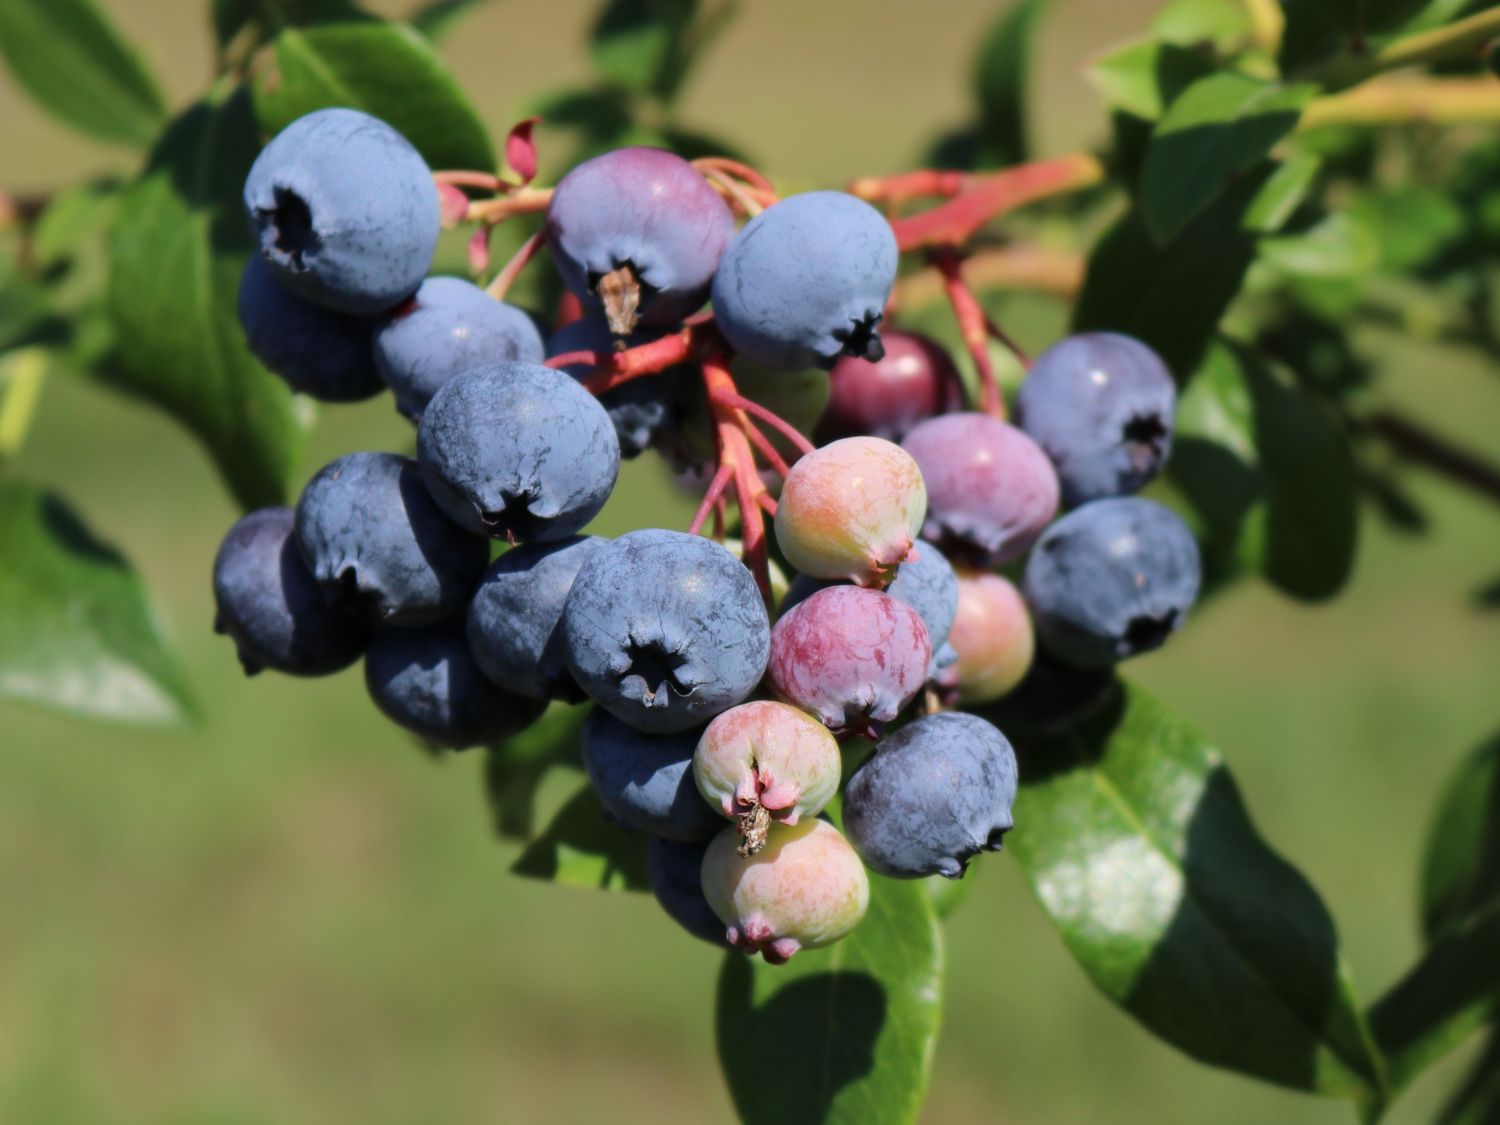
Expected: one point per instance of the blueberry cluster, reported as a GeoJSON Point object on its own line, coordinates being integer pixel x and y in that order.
{"type": "Point", "coordinates": [713, 729]}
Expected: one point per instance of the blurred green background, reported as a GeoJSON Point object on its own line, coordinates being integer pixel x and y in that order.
{"type": "Point", "coordinates": [292, 915]}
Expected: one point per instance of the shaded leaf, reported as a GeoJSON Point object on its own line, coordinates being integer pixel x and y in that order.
{"type": "Point", "coordinates": [77, 631]}
{"type": "Point", "coordinates": [641, 45]}
{"type": "Point", "coordinates": [1461, 874]}
{"type": "Point", "coordinates": [231, 17]}
{"type": "Point", "coordinates": [1409, 225]}
{"type": "Point", "coordinates": [1217, 129]}
{"type": "Point", "coordinates": [1002, 74]}
{"type": "Point", "coordinates": [1144, 76]}
{"type": "Point", "coordinates": [179, 246]}
{"type": "Point", "coordinates": [837, 1035]}
{"type": "Point", "coordinates": [1477, 1101]}
{"type": "Point", "coordinates": [1319, 29]}
{"type": "Point", "coordinates": [583, 848]}
{"type": "Point", "coordinates": [515, 768]}
{"type": "Point", "coordinates": [69, 57]}
{"type": "Point", "coordinates": [385, 69]}
{"type": "Point", "coordinates": [1138, 845]}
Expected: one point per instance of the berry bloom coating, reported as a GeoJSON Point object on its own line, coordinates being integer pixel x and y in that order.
{"type": "Point", "coordinates": [806, 888]}
{"type": "Point", "coordinates": [1100, 405]}
{"type": "Point", "coordinates": [648, 213]}
{"type": "Point", "coordinates": [449, 327]}
{"type": "Point", "coordinates": [273, 608]}
{"type": "Point", "coordinates": [514, 623]}
{"type": "Point", "coordinates": [914, 381]}
{"type": "Point", "coordinates": [992, 640]}
{"type": "Point", "coordinates": [767, 756]}
{"type": "Point", "coordinates": [990, 488]}
{"type": "Point", "coordinates": [1112, 579]}
{"type": "Point", "coordinates": [518, 450]}
{"type": "Point", "coordinates": [345, 211]}
{"type": "Point", "coordinates": [319, 353]}
{"type": "Point", "coordinates": [426, 681]}
{"type": "Point", "coordinates": [645, 781]}
{"type": "Point", "coordinates": [665, 630]}
{"type": "Point", "coordinates": [367, 527]}
{"type": "Point", "coordinates": [674, 869]}
{"type": "Point", "coordinates": [850, 657]}
{"type": "Point", "coordinates": [934, 794]}
{"type": "Point", "coordinates": [805, 282]}
{"type": "Point", "coordinates": [851, 510]}
{"type": "Point", "coordinates": [641, 409]}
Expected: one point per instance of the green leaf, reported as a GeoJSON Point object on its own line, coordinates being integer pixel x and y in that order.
{"type": "Point", "coordinates": [1319, 29]}
{"type": "Point", "coordinates": [68, 56]}
{"type": "Point", "coordinates": [1001, 75]}
{"type": "Point", "coordinates": [1222, 23]}
{"type": "Point", "coordinates": [385, 69]}
{"type": "Point", "coordinates": [1411, 226]}
{"type": "Point", "coordinates": [439, 17]}
{"type": "Point", "coordinates": [1337, 246]}
{"type": "Point", "coordinates": [1268, 474]}
{"type": "Point", "coordinates": [1477, 1101]}
{"type": "Point", "coordinates": [73, 217]}
{"type": "Point", "coordinates": [1173, 295]}
{"type": "Point", "coordinates": [1286, 190]}
{"type": "Point", "coordinates": [1461, 874]}
{"type": "Point", "coordinates": [1217, 129]}
{"type": "Point", "coordinates": [1138, 845]}
{"type": "Point", "coordinates": [640, 45]}
{"type": "Point", "coordinates": [179, 247]}
{"type": "Point", "coordinates": [77, 632]}
{"type": "Point", "coordinates": [24, 309]}
{"type": "Point", "coordinates": [582, 848]}
{"type": "Point", "coordinates": [1145, 76]}
{"type": "Point", "coordinates": [842, 1035]}
{"type": "Point", "coordinates": [514, 769]}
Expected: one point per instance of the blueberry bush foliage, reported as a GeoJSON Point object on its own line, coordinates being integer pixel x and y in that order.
{"type": "Point", "coordinates": [1273, 172]}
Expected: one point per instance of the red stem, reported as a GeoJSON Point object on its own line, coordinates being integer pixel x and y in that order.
{"type": "Point", "coordinates": [518, 262]}
{"type": "Point", "coordinates": [645, 359]}
{"type": "Point", "coordinates": [768, 503]}
{"type": "Point", "coordinates": [711, 498]}
{"type": "Point", "coordinates": [775, 421]}
{"type": "Point", "coordinates": [734, 451]}
{"type": "Point", "coordinates": [974, 326]}
{"type": "Point", "coordinates": [766, 449]}
{"type": "Point", "coordinates": [1004, 340]}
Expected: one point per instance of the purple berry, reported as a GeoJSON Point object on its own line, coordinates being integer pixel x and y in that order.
{"type": "Point", "coordinates": [992, 640]}
{"type": "Point", "coordinates": [270, 604]}
{"type": "Point", "coordinates": [665, 630]}
{"type": "Point", "coordinates": [1112, 579]}
{"type": "Point", "coordinates": [518, 450]}
{"type": "Point", "coordinates": [320, 353]}
{"type": "Point", "coordinates": [1100, 405]}
{"type": "Point", "coordinates": [850, 656]}
{"type": "Point", "coordinates": [645, 781]}
{"type": "Point", "coordinates": [914, 381]}
{"type": "Point", "coordinates": [805, 282]}
{"type": "Point", "coordinates": [367, 527]}
{"type": "Point", "coordinates": [425, 680]}
{"type": "Point", "coordinates": [934, 794]}
{"type": "Point", "coordinates": [449, 327]}
{"type": "Point", "coordinates": [514, 622]}
{"type": "Point", "coordinates": [638, 232]}
{"type": "Point", "coordinates": [990, 488]}
{"type": "Point", "coordinates": [345, 211]}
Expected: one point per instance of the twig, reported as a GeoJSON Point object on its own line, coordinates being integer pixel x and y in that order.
{"type": "Point", "coordinates": [1415, 443]}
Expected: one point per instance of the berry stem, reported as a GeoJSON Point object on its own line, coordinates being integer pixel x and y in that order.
{"type": "Point", "coordinates": [645, 359]}
{"type": "Point", "coordinates": [1439, 101]}
{"type": "Point", "coordinates": [747, 200]}
{"type": "Point", "coordinates": [711, 498]}
{"type": "Point", "coordinates": [520, 201]}
{"type": "Point", "coordinates": [484, 181]}
{"type": "Point", "coordinates": [974, 325]}
{"type": "Point", "coordinates": [737, 169]}
{"type": "Point", "coordinates": [1418, 445]}
{"type": "Point", "coordinates": [764, 447]}
{"type": "Point", "coordinates": [518, 262]}
{"type": "Point", "coordinates": [772, 419]}
{"type": "Point", "coordinates": [734, 451]}
{"type": "Point", "coordinates": [1037, 269]}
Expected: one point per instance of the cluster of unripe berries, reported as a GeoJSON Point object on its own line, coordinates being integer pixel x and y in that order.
{"type": "Point", "coordinates": [717, 721]}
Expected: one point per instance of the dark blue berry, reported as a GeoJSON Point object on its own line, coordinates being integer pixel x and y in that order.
{"type": "Point", "coordinates": [1111, 579]}
{"type": "Point", "coordinates": [645, 781]}
{"type": "Point", "coordinates": [367, 528]}
{"type": "Point", "coordinates": [425, 680]}
{"type": "Point", "coordinates": [345, 211]}
{"type": "Point", "coordinates": [449, 327]}
{"type": "Point", "coordinates": [675, 871]}
{"type": "Point", "coordinates": [273, 608]}
{"type": "Point", "coordinates": [514, 619]}
{"type": "Point", "coordinates": [934, 794]}
{"type": "Point", "coordinates": [666, 630]}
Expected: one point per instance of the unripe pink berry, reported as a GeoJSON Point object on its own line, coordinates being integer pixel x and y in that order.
{"type": "Point", "coordinates": [804, 889]}
{"type": "Point", "coordinates": [851, 510]}
{"type": "Point", "coordinates": [993, 638]}
{"type": "Point", "coordinates": [766, 756]}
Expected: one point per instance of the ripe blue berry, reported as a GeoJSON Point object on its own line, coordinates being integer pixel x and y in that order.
{"type": "Point", "coordinates": [990, 488]}
{"type": "Point", "coordinates": [1111, 579]}
{"type": "Point", "coordinates": [425, 680]}
{"type": "Point", "coordinates": [934, 794]}
{"type": "Point", "coordinates": [318, 352]}
{"type": "Point", "coordinates": [638, 232]}
{"type": "Point", "coordinates": [367, 527]}
{"type": "Point", "coordinates": [449, 327]}
{"type": "Point", "coordinates": [674, 869]}
{"type": "Point", "coordinates": [806, 281]}
{"type": "Point", "coordinates": [514, 619]}
{"type": "Point", "coordinates": [273, 608]}
{"type": "Point", "coordinates": [345, 211]}
{"type": "Point", "coordinates": [518, 450]}
{"type": "Point", "coordinates": [665, 630]}
{"type": "Point", "coordinates": [1100, 405]}
{"type": "Point", "coordinates": [645, 781]}
{"type": "Point", "coordinates": [641, 409]}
